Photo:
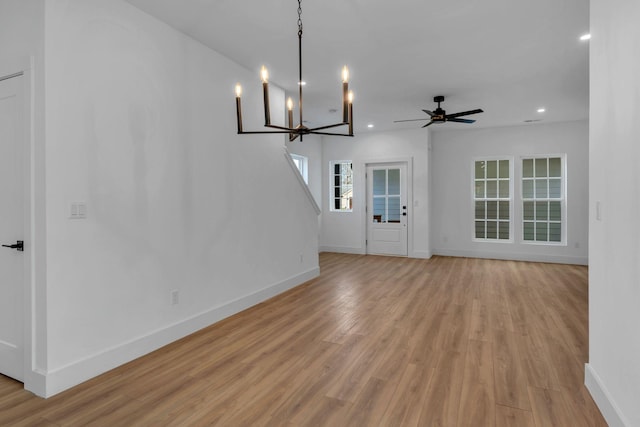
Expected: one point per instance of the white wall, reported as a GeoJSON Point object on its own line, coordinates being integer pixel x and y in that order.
{"type": "Point", "coordinates": [452, 158]}
{"type": "Point", "coordinates": [141, 127]}
{"type": "Point", "coordinates": [345, 231]}
{"type": "Point", "coordinates": [613, 371]}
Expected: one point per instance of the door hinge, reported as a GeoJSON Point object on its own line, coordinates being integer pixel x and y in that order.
{"type": "Point", "coordinates": [366, 242]}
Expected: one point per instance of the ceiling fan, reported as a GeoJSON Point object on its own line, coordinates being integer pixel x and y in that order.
{"type": "Point", "coordinates": [441, 116]}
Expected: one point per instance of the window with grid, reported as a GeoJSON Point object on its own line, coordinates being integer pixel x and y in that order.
{"type": "Point", "coordinates": [543, 199]}
{"type": "Point", "coordinates": [492, 199]}
{"type": "Point", "coordinates": [341, 186]}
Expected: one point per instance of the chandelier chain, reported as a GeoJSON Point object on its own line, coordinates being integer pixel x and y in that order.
{"type": "Point", "coordinates": [299, 18]}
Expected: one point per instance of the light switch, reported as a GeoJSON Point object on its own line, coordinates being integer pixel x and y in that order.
{"type": "Point", "coordinates": [78, 210]}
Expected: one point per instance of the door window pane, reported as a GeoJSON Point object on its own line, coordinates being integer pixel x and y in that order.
{"type": "Point", "coordinates": [492, 169]}
{"type": "Point", "coordinates": [379, 182]}
{"type": "Point", "coordinates": [394, 181]}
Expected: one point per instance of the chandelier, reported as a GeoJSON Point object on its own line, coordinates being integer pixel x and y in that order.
{"type": "Point", "coordinates": [300, 129]}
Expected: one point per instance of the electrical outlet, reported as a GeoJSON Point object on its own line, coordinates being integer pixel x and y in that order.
{"type": "Point", "coordinates": [175, 297]}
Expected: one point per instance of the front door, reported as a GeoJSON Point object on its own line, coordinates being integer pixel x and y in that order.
{"type": "Point", "coordinates": [387, 209]}
{"type": "Point", "coordinates": [11, 228]}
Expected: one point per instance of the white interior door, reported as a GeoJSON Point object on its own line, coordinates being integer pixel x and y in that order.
{"type": "Point", "coordinates": [387, 209]}
{"type": "Point", "coordinates": [11, 229]}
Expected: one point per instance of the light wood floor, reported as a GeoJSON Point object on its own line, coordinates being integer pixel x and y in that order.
{"type": "Point", "coordinates": [373, 341]}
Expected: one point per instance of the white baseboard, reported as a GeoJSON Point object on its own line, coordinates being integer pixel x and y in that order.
{"type": "Point", "coordinates": [63, 378]}
{"type": "Point", "coordinates": [513, 256]}
{"type": "Point", "coordinates": [360, 251]}
{"type": "Point", "coordinates": [343, 250]}
{"type": "Point", "coordinates": [610, 411]}
{"type": "Point", "coordinates": [420, 254]}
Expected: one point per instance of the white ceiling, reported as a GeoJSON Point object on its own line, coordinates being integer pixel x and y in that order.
{"type": "Point", "coordinates": [508, 57]}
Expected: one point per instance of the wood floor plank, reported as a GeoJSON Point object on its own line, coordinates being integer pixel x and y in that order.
{"type": "Point", "coordinates": [513, 417]}
{"type": "Point", "coordinates": [477, 401]}
{"type": "Point", "coordinates": [371, 341]}
{"type": "Point", "coordinates": [509, 375]}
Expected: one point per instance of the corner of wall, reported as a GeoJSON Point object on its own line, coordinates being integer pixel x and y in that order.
{"type": "Point", "coordinates": [601, 396]}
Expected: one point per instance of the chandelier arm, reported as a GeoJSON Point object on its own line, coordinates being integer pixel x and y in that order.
{"type": "Point", "coordinates": [330, 133]}
{"type": "Point", "coordinates": [329, 126]}
{"type": "Point", "coordinates": [282, 128]}
{"type": "Point", "coordinates": [267, 131]}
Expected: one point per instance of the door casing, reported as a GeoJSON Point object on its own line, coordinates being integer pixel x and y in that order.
{"type": "Point", "coordinates": [362, 189]}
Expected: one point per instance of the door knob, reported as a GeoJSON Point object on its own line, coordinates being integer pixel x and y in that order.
{"type": "Point", "coordinates": [19, 245]}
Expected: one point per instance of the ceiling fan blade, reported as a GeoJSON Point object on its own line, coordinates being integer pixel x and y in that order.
{"type": "Point", "coordinates": [431, 122]}
{"type": "Point", "coordinates": [464, 113]}
{"type": "Point", "coordinates": [410, 120]}
{"type": "Point", "coordinates": [429, 113]}
{"type": "Point", "coordinates": [461, 120]}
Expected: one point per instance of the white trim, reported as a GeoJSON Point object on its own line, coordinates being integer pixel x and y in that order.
{"type": "Point", "coordinates": [610, 411]}
{"type": "Point", "coordinates": [511, 198]}
{"type": "Point", "coordinates": [332, 187]}
{"type": "Point", "coordinates": [513, 256]}
{"type": "Point", "coordinates": [343, 250]}
{"type": "Point", "coordinates": [11, 68]}
{"type": "Point", "coordinates": [65, 377]}
{"type": "Point", "coordinates": [362, 187]}
{"type": "Point", "coordinates": [563, 200]}
{"type": "Point", "coordinates": [304, 185]}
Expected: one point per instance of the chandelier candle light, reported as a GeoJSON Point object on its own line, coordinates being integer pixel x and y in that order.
{"type": "Point", "coordinates": [300, 129]}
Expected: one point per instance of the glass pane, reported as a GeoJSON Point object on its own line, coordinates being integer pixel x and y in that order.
{"type": "Point", "coordinates": [503, 187]}
{"type": "Point", "coordinates": [336, 181]}
{"type": "Point", "coordinates": [528, 211]}
{"type": "Point", "coordinates": [541, 232]}
{"type": "Point", "coordinates": [394, 209]}
{"type": "Point", "coordinates": [555, 234]}
{"type": "Point", "coordinates": [336, 169]}
{"type": "Point", "coordinates": [492, 229]}
{"type": "Point", "coordinates": [503, 230]}
{"type": "Point", "coordinates": [541, 167]}
{"type": "Point", "coordinates": [480, 230]}
{"type": "Point", "coordinates": [492, 210]}
{"type": "Point", "coordinates": [479, 189]}
{"type": "Point", "coordinates": [503, 210]}
{"type": "Point", "coordinates": [527, 230]}
{"type": "Point", "coordinates": [554, 188]}
{"type": "Point", "coordinates": [394, 181]}
{"type": "Point", "coordinates": [542, 211]}
{"type": "Point", "coordinates": [555, 168]}
{"type": "Point", "coordinates": [379, 209]}
{"type": "Point", "coordinates": [480, 169]}
{"type": "Point", "coordinates": [379, 182]}
{"type": "Point", "coordinates": [492, 169]}
{"type": "Point", "coordinates": [492, 189]}
{"type": "Point", "coordinates": [555, 211]}
{"type": "Point", "coordinates": [527, 189]}
{"type": "Point", "coordinates": [480, 210]}
{"type": "Point", "coordinates": [503, 169]}
{"type": "Point", "coordinates": [541, 188]}
{"type": "Point", "coordinates": [527, 168]}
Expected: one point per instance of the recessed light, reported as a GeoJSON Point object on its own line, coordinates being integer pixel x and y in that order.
{"type": "Point", "coordinates": [541, 110]}
{"type": "Point", "coordinates": [370, 125]}
{"type": "Point", "coordinates": [585, 37]}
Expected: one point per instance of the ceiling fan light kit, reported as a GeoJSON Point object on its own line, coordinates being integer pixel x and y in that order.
{"type": "Point", "coordinates": [439, 115]}
{"type": "Point", "coordinates": [299, 130]}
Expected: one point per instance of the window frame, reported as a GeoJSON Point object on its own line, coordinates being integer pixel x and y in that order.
{"type": "Point", "coordinates": [332, 186]}
{"type": "Point", "coordinates": [562, 199]}
{"type": "Point", "coordinates": [510, 199]}
{"type": "Point", "coordinates": [302, 163]}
